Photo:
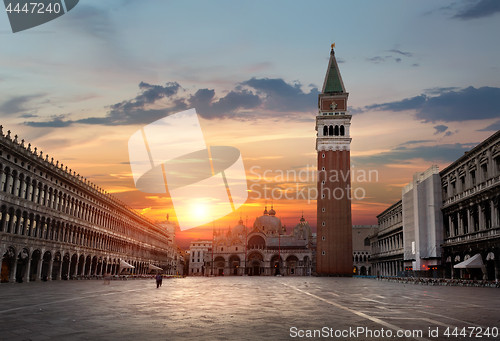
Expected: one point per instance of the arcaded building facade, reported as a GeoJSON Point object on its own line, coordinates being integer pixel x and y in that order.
{"type": "Point", "coordinates": [387, 243]}
{"type": "Point", "coordinates": [471, 215]}
{"type": "Point", "coordinates": [266, 249]}
{"type": "Point", "coordinates": [54, 224]}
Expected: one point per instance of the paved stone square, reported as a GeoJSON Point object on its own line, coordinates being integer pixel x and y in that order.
{"type": "Point", "coordinates": [240, 308]}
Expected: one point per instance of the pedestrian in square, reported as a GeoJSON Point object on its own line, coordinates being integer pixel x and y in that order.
{"type": "Point", "coordinates": [158, 281]}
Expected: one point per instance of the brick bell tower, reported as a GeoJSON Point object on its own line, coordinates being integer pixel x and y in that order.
{"type": "Point", "coordinates": [333, 123]}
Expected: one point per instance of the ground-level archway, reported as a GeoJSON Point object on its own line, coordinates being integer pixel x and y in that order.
{"type": "Point", "coordinates": [256, 262]}
{"type": "Point", "coordinates": [219, 264]}
{"type": "Point", "coordinates": [291, 265]}
{"type": "Point", "coordinates": [276, 264]}
{"type": "Point", "coordinates": [7, 263]}
{"type": "Point", "coordinates": [46, 266]}
{"type": "Point", "coordinates": [23, 261]}
{"type": "Point", "coordinates": [36, 258]}
{"type": "Point", "coordinates": [234, 264]}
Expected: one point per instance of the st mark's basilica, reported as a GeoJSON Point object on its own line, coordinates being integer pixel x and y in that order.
{"type": "Point", "coordinates": [270, 249]}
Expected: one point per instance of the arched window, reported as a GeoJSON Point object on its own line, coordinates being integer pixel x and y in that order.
{"type": "Point", "coordinates": [325, 130]}
{"type": "Point", "coordinates": [330, 130]}
{"type": "Point", "coordinates": [367, 241]}
{"type": "Point", "coordinates": [336, 130]}
{"type": "Point", "coordinates": [342, 131]}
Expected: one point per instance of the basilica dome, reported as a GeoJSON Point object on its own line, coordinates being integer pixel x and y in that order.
{"type": "Point", "coordinates": [268, 222]}
{"type": "Point", "coordinates": [302, 230]}
{"type": "Point", "coordinates": [239, 229]}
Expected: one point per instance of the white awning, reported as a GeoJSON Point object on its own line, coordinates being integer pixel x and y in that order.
{"type": "Point", "coordinates": [125, 265]}
{"type": "Point", "coordinates": [154, 267]}
{"type": "Point", "coordinates": [474, 262]}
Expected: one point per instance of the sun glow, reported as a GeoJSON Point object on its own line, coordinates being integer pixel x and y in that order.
{"type": "Point", "coordinates": [199, 210]}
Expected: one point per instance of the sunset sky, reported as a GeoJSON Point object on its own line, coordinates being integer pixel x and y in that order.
{"type": "Point", "coordinates": [423, 79]}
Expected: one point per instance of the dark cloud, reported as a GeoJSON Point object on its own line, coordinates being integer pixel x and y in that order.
{"type": "Point", "coordinates": [415, 65]}
{"type": "Point", "coordinates": [438, 90]}
{"type": "Point", "coordinates": [149, 95]}
{"type": "Point", "coordinates": [398, 60]}
{"type": "Point", "coordinates": [406, 54]}
{"type": "Point", "coordinates": [207, 107]}
{"type": "Point", "coordinates": [451, 106]}
{"type": "Point", "coordinates": [405, 104]}
{"type": "Point", "coordinates": [128, 112]}
{"type": "Point", "coordinates": [54, 123]}
{"type": "Point", "coordinates": [284, 97]}
{"type": "Point", "coordinates": [440, 129]}
{"type": "Point", "coordinates": [492, 127]}
{"type": "Point", "coordinates": [478, 9]}
{"type": "Point", "coordinates": [340, 61]}
{"type": "Point", "coordinates": [415, 142]}
{"type": "Point", "coordinates": [266, 94]}
{"type": "Point", "coordinates": [438, 153]}
{"type": "Point", "coordinates": [354, 111]}
{"type": "Point", "coordinates": [17, 104]}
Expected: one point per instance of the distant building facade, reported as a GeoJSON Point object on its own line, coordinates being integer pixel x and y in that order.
{"type": "Point", "coordinates": [361, 250]}
{"type": "Point", "coordinates": [423, 223]}
{"type": "Point", "coordinates": [54, 224]}
{"type": "Point", "coordinates": [387, 243]}
{"type": "Point", "coordinates": [264, 250]}
{"type": "Point", "coordinates": [448, 217]}
{"type": "Point", "coordinates": [198, 251]}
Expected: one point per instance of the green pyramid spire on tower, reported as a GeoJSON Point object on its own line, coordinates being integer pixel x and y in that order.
{"type": "Point", "coordinates": [333, 80]}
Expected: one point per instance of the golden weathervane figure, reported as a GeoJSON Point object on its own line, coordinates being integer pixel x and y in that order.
{"type": "Point", "coordinates": [333, 45]}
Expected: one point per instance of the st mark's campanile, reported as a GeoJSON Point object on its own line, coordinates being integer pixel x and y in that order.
{"type": "Point", "coordinates": [333, 123]}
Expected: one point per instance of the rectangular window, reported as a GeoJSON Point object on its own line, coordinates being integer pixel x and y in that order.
{"type": "Point", "coordinates": [462, 183]}
{"type": "Point", "coordinates": [473, 178]}
{"type": "Point", "coordinates": [484, 169]}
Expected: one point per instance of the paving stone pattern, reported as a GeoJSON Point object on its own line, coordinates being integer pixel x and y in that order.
{"type": "Point", "coordinates": [236, 308]}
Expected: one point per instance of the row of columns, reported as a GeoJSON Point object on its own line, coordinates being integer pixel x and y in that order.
{"type": "Point", "coordinates": [16, 184]}
{"type": "Point", "coordinates": [389, 268]}
{"type": "Point", "coordinates": [459, 222]}
{"type": "Point", "coordinates": [45, 229]}
{"type": "Point", "coordinates": [390, 243]}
